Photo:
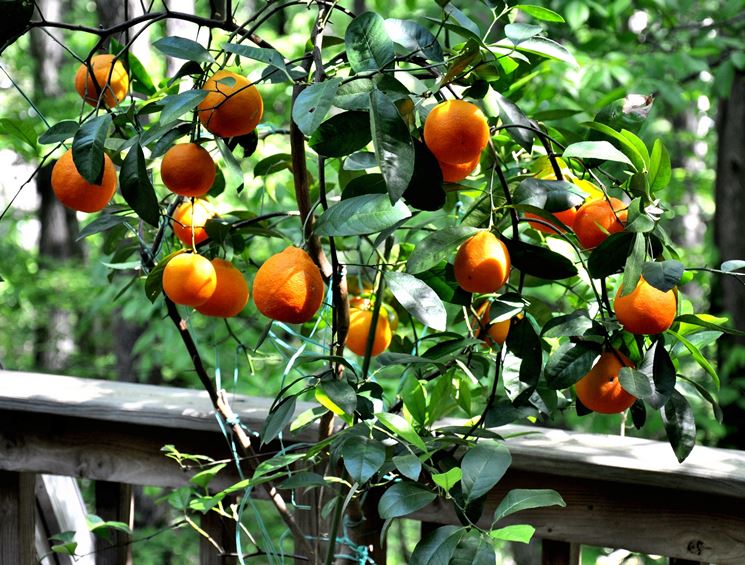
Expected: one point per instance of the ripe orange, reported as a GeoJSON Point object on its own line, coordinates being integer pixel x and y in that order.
{"type": "Point", "coordinates": [113, 84]}
{"type": "Point", "coordinates": [188, 169]}
{"type": "Point", "coordinates": [231, 292]}
{"type": "Point", "coordinates": [490, 333]}
{"type": "Point", "coordinates": [288, 287]}
{"type": "Point", "coordinates": [75, 192]}
{"type": "Point", "coordinates": [189, 279]}
{"type": "Point", "coordinates": [359, 329]}
{"type": "Point", "coordinates": [455, 173]}
{"type": "Point", "coordinates": [482, 263]}
{"type": "Point", "coordinates": [231, 109]}
{"type": "Point", "coordinates": [596, 219]}
{"type": "Point", "coordinates": [188, 215]}
{"type": "Point", "coordinates": [645, 310]}
{"type": "Point", "coordinates": [600, 389]}
{"type": "Point", "coordinates": [567, 217]}
{"type": "Point", "coordinates": [456, 132]}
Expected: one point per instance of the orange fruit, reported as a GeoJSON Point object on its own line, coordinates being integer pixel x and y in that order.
{"type": "Point", "coordinates": [600, 389]}
{"type": "Point", "coordinates": [455, 173]}
{"type": "Point", "coordinates": [596, 219]}
{"type": "Point", "coordinates": [456, 132]}
{"type": "Point", "coordinates": [190, 214]}
{"type": "Point", "coordinates": [567, 217]}
{"type": "Point", "coordinates": [189, 279]}
{"type": "Point", "coordinates": [359, 329]}
{"type": "Point", "coordinates": [231, 292]}
{"type": "Point", "coordinates": [288, 287]}
{"type": "Point", "coordinates": [490, 333]}
{"type": "Point", "coordinates": [231, 108]}
{"type": "Point", "coordinates": [188, 169]}
{"type": "Point", "coordinates": [646, 309]}
{"type": "Point", "coordinates": [113, 84]}
{"type": "Point", "coordinates": [482, 263]}
{"type": "Point", "coordinates": [75, 192]}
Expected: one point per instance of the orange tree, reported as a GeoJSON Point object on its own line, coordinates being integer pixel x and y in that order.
{"type": "Point", "coordinates": [482, 244]}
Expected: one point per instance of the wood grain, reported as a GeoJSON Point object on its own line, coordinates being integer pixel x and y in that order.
{"type": "Point", "coordinates": [17, 518]}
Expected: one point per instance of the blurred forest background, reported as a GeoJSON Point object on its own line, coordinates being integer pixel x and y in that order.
{"type": "Point", "coordinates": [62, 311]}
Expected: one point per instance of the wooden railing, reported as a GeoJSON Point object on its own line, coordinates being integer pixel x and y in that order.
{"type": "Point", "coordinates": [620, 492]}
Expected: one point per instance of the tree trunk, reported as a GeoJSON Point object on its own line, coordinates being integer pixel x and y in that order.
{"type": "Point", "coordinates": [730, 210]}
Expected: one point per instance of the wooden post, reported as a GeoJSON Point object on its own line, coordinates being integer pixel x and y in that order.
{"type": "Point", "coordinates": [17, 518]}
{"type": "Point", "coordinates": [222, 532]}
{"type": "Point", "coordinates": [559, 553]}
{"type": "Point", "coordinates": [114, 502]}
{"type": "Point", "coordinates": [674, 561]}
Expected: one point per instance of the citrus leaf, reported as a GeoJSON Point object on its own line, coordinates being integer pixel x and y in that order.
{"type": "Point", "coordinates": [394, 147]}
{"type": "Point", "coordinates": [369, 48]}
{"type": "Point", "coordinates": [635, 382]}
{"type": "Point", "coordinates": [418, 299]}
{"type": "Point", "coordinates": [550, 195]}
{"type": "Point", "coordinates": [679, 425]}
{"type": "Point", "coordinates": [137, 190]}
{"type": "Point", "coordinates": [401, 428]}
{"type": "Point", "coordinates": [510, 114]}
{"type": "Point", "coordinates": [483, 466]}
{"type": "Point", "coordinates": [183, 48]}
{"type": "Point", "coordinates": [539, 12]}
{"type": "Point", "coordinates": [278, 419]}
{"type": "Point", "coordinates": [60, 131]}
{"type": "Point", "coordinates": [437, 547]}
{"type": "Point", "coordinates": [569, 364]}
{"type": "Point", "coordinates": [525, 499]}
{"type": "Point", "coordinates": [447, 480]}
{"type": "Point", "coordinates": [520, 533]}
{"type": "Point", "coordinates": [403, 498]}
{"type": "Point", "coordinates": [271, 57]}
{"type": "Point", "coordinates": [408, 465]}
{"type": "Point", "coordinates": [312, 105]}
{"type": "Point", "coordinates": [663, 275]}
{"type": "Point", "coordinates": [87, 148]}
{"type": "Point", "coordinates": [177, 105]}
{"type": "Point", "coordinates": [539, 261]}
{"type": "Point", "coordinates": [361, 215]}
{"type": "Point", "coordinates": [342, 134]}
{"type": "Point", "coordinates": [417, 40]}
{"type": "Point", "coordinates": [602, 150]}
{"type": "Point", "coordinates": [362, 457]}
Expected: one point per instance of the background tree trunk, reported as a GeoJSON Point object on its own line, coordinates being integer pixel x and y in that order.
{"type": "Point", "coordinates": [728, 233]}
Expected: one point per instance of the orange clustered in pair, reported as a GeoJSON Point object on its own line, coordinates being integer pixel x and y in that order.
{"type": "Point", "coordinates": [456, 132]}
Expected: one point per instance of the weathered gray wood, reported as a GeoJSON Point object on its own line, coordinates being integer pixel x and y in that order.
{"type": "Point", "coordinates": [61, 509]}
{"type": "Point", "coordinates": [114, 502]}
{"type": "Point", "coordinates": [661, 521]}
{"type": "Point", "coordinates": [624, 459]}
{"type": "Point", "coordinates": [221, 531]}
{"type": "Point", "coordinates": [559, 553]}
{"type": "Point", "coordinates": [17, 518]}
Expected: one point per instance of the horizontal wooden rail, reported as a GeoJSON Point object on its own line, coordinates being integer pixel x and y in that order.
{"type": "Point", "coordinates": [620, 491]}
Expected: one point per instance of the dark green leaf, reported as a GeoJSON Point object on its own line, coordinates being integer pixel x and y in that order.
{"type": "Point", "coordinates": [679, 425]}
{"type": "Point", "coordinates": [137, 190]}
{"type": "Point", "coordinates": [101, 223]}
{"type": "Point", "coordinates": [418, 40]}
{"type": "Point", "coordinates": [354, 95]}
{"type": "Point", "coordinates": [483, 466]}
{"type": "Point", "coordinates": [278, 419]}
{"type": "Point", "coordinates": [550, 195]}
{"type": "Point", "coordinates": [271, 57]}
{"type": "Point", "coordinates": [361, 215]}
{"type": "Point", "coordinates": [313, 103]}
{"type": "Point", "coordinates": [539, 12]}
{"type": "Point", "coordinates": [524, 499]}
{"type": "Point", "coordinates": [463, 21]}
{"type": "Point", "coordinates": [474, 549]}
{"type": "Point", "coordinates": [539, 261]}
{"type": "Point", "coordinates": [569, 325]}
{"type": "Point", "coordinates": [60, 131]}
{"type": "Point", "coordinates": [177, 105]}
{"type": "Point", "coordinates": [437, 547]}
{"type": "Point", "coordinates": [140, 78]}
{"type": "Point", "coordinates": [408, 465]}
{"type": "Point", "coordinates": [569, 364]}
{"type": "Point", "coordinates": [361, 161]}
{"type": "Point", "coordinates": [404, 498]}
{"type": "Point", "coordinates": [341, 395]}
{"type": "Point", "coordinates": [372, 183]}
{"type": "Point", "coordinates": [609, 257]}
{"type": "Point", "coordinates": [87, 148]}
{"type": "Point", "coordinates": [302, 479]}
{"type": "Point", "coordinates": [363, 457]}
{"type": "Point", "coordinates": [367, 43]}
{"type": "Point", "coordinates": [425, 190]}
{"type": "Point", "coordinates": [633, 268]}
{"type": "Point", "coordinates": [660, 372]}
{"type": "Point", "coordinates": [418, 299]}
{"type": "Point", "coordinates": [663, 275]}
{"type": "Point", "coordinates": [635, 382]}
{"type": "Point", "coordinates": [273, 164]}
{"type": "Point", "coordinates": [510, 114]}
{"type": "Point", "coordinates": [342, 134]}
{"type": "Point", "coordinates": [183, 48]}
{"type": "Point", "coordinates": [394, 147]}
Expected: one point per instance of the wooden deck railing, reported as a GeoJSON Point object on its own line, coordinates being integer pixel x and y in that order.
{"type": "Point", "coordinates": [620, 492]}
